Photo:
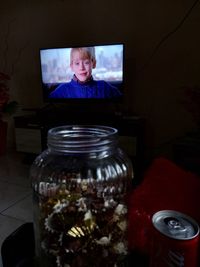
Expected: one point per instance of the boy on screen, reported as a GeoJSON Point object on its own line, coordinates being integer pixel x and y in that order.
{"type": "Point", "coordinates": [82, 85]}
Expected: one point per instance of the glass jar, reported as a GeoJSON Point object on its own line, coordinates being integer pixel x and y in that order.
{"type": "Point", "coordinates": [80, 188]}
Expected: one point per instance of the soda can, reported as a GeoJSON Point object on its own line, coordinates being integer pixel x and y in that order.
{"type": "Point", "coordinates": [175, 240]}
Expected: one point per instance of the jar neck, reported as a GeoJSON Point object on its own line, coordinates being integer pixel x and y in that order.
{"type": "Point", "coordinates": [82, 138]}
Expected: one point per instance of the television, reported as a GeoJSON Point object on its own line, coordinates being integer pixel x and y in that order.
{"type": "Point", "coordinates": [60, 83]}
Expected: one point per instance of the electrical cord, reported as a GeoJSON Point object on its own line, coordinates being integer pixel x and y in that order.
{"type": "Point", "coordinates": [155, 50]}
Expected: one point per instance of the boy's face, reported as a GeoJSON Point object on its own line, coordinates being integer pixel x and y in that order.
{"type": "Point", "coordinates": [82, 67]}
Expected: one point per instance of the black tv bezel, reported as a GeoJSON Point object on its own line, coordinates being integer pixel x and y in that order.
{"type": "Point", "coordinates": [83, 101]}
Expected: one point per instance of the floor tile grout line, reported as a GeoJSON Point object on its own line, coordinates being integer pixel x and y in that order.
{"type": "Point", "coordinates": [16, 202]}
{"type": "Point", "coordinates": [16, 218]}
{"type": "Point", "coordinates": [13, 217]}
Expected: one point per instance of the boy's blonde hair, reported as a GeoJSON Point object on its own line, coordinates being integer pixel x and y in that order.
{"type": "Point", "coordinates": [85, 53]}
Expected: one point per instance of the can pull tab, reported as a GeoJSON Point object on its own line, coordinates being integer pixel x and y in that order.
{"type": "Point", "coordinates": [174, 224]}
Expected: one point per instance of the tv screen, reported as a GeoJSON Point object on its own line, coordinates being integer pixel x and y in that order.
{"type": "Point", "coordinates": [86, 72]}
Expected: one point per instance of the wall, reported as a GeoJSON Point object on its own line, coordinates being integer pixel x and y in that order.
{"type": "Point", "coordinates": [153, 77]}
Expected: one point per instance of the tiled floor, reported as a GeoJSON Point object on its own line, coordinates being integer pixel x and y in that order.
{"type": "Point", "coordinates": [15, 194]}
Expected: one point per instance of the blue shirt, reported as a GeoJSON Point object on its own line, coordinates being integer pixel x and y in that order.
{"type": "Point", "coordinates": [89, 89]}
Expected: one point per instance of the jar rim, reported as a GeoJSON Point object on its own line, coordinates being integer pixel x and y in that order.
{"type": "Point", "coordinates": [81, 138]}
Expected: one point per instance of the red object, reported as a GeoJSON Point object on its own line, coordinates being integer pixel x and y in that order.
{"type": "Point", "coordinates": [3, 137]}
{"type": "Point", "coordinates": [165, 186]}
{"type": "Point", "coordinates": [175, 247]}
{"type": "Point", "coordinates": [171, 252]}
